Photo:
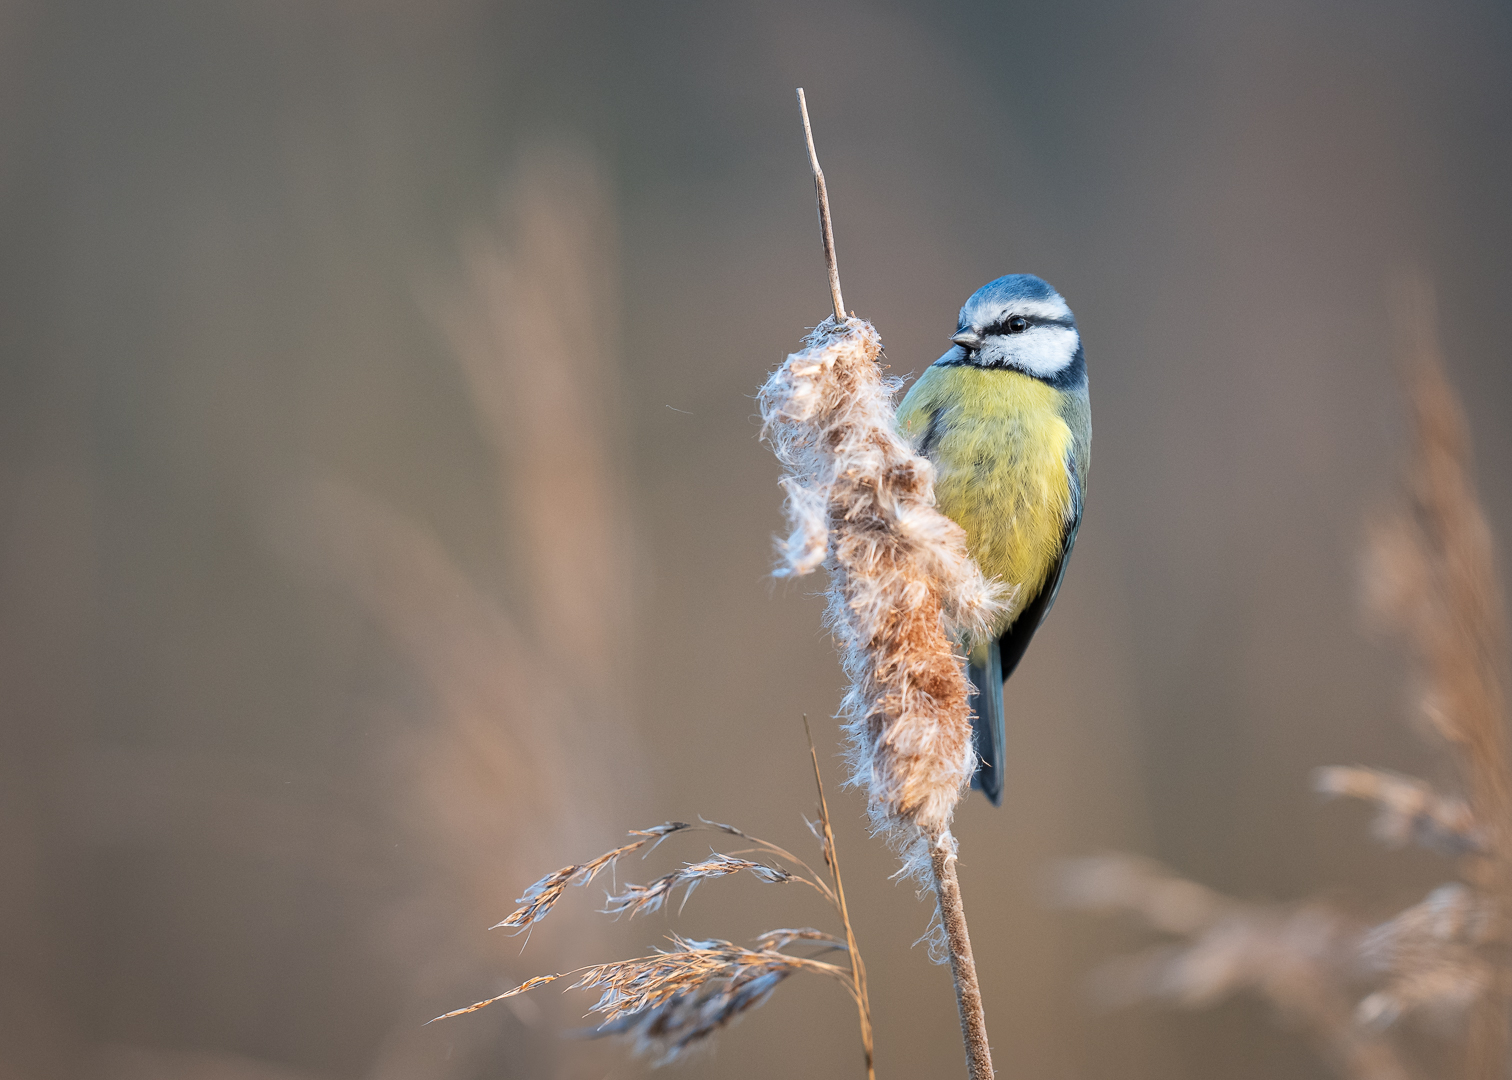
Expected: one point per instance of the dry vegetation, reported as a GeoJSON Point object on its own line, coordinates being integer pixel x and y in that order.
{"type": "Point", "coordinates": [1431, 578]}
{"type": "Point", "coordinates": [902, 586]}
{"type": "Point", "coordinates": [677, 999]}
{"type": "Point", "coordinates": [903, 592]}
{"type": "Point", "coordinates": [525, 715]}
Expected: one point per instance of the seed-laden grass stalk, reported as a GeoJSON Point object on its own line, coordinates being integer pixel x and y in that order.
{"type": "Point", "coordinates": [678, 998]}
{"type": "Point", "coordinates": [902, 593]}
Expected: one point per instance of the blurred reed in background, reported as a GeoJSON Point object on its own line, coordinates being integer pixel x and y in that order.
{"type": "Point", "coordinates": [241, 832]}
{"type": "Point", "coordinates": [1431, 578]}
{"type": "Point", "coordinates": [527, 747]}
{"type": "Point", "coordinates": [519, 739]}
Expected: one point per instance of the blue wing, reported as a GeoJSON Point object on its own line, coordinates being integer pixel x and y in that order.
{"type": "Point", "coordinates": [990, 665]}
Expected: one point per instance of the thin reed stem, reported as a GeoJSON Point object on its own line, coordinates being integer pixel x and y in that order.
{"type": "Point", "coordinates": [824, 215]}
{"type": "Point", "coordinates": [942, 858]}
{"type": "Point", "coordinates": [903, 590]}
{"type": "Point", "coordinates": [858, 968]}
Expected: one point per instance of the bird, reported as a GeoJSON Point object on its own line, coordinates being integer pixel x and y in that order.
{"type": "Point", "coordinates": [1005, 419]}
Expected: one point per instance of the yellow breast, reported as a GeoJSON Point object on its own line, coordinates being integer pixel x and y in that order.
{"type": "Point", "coordinates": [1000, 448]}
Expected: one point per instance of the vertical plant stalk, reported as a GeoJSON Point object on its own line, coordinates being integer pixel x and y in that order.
{"type": "Point", "coordinates": [832, 860]}
{"type": "Point", "coordinates": [825, 227]}
{"type": "Point", "coordinates": [942, 859]}
{"type": "Point", "coordinates": [903, 591]}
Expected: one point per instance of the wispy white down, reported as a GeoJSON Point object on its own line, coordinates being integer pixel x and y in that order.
{"type": "Point", "coordinates": [903, 589]}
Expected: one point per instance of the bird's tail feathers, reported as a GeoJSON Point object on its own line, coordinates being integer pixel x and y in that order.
{"type": "Point", "coordinates": [985, 669]}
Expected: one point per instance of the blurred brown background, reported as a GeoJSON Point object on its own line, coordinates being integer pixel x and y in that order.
{"type": "Point", "coordinates": [383, 524]}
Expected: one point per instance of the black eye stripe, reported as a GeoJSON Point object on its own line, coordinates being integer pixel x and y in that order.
{"type": "Point", "coordinates": [1001, 326]}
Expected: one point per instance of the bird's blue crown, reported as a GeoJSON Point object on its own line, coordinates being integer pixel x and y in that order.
{"type": "Point", "coordinates": [1021, 294]}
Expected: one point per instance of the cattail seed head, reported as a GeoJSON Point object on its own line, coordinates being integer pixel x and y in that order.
{"type": "Point", "coordinates": [903, 591]}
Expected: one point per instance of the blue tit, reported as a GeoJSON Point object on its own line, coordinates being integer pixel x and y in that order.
{"type": "Point", "coordinates": [1005, 419]}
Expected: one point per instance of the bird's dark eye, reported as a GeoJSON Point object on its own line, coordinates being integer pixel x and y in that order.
{"type": "Point", "coordinates": [1018, 324]}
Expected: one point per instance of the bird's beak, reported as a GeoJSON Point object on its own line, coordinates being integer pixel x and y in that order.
{"type": "Point", "coordinates": [969, 340]}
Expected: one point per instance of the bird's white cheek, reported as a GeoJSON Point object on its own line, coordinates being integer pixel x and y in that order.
{"type": "Point", "coordinates": [1044, 350]}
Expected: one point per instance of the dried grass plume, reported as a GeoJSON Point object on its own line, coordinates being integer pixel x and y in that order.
{"type": "Point", "coordinates": [903, 589]}
{"type": "Point", "coordinates": [679, 998]}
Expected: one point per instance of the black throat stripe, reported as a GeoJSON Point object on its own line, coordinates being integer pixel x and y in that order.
{"type": "Point", "coordinates": [1069, 377]}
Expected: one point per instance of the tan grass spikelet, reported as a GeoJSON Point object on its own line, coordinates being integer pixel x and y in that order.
{"type": "Point", "coordinates": [1301, 958]}
{"type": "Point", "coordinates": [902, 587]}
{"type": "Point", "coordinates": [540, 897]}
{"type": "Point", "coordinates": [678, 998]}
{"type": "Point", "coordinates": [1430, 953]}
{"type": "Point", "coordinates": [643, 899]}
{"type": "Point", "coordinates": [1407, 808]}
{"type": "Point", "coordinates": [781, 939]}
{"type": "Point", "coordinates": [524, 988]}
{"type": "Point", "coordinates": [671, 1001]}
